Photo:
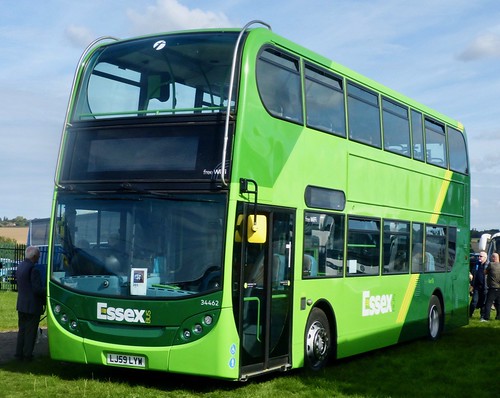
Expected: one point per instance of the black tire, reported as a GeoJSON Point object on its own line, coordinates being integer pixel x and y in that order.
{"type": "Point", "coordinates": [435, 318]}
{"type": "Point", "coordinates": [318, 340]}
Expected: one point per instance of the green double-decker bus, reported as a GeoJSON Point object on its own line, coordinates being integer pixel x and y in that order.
{"type": "Point", "coordinates": [229, 203]}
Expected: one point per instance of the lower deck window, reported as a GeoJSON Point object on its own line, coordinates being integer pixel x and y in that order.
{"type": "Point", "coordinates": [363, 246]}
{"type": "Point", "coordinates": [323, 245]}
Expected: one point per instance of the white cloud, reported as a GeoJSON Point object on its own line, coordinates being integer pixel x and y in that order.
{"type": "Point", "coordinates": [168, 15]}
{"type": "Point", "coordinates": [80, 36]}
{"type": "Point", "coordinates": [486, 45]}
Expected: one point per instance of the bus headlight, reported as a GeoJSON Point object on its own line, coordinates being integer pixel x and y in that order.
{"type": "Point", "coordinates": [65, 317]}
{"type": "Point", "coordinates": [197, 328]}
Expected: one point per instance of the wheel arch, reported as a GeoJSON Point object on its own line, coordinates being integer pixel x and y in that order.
{"type": "Point", "coordinates": [435, 315]}
{"type": "Point", "coordinates": [439, 294]}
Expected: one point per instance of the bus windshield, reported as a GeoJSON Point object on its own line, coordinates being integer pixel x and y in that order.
{"type": "Point", "coordinates": [139, 245]}
{"type": "Point", "coordinates": [169, 74]}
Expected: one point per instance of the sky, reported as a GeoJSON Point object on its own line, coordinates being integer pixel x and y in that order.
{"type": "Point", "coordinates": [444, 54]}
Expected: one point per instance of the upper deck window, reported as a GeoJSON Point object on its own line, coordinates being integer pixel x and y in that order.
{"type": "Point", "coordinates": [435, 144]}
{"type": "Point", "coordinates": [324, 101]}
{"type": "Point", "coordinates": [364, 116]}
{"type": "Point", "coordinates": [417, 135]}
{"type": "Point", "coordinates": [171, 74]}
{"type": "Point", "coordinates": [458, 151]}
{"type": "Point", "coordinates": [278, 80]}
{"type": "Point", "coordinates": [396, 128]}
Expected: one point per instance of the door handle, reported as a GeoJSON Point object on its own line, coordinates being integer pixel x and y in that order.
{"type": "Point", "coordinates": [288, 247]}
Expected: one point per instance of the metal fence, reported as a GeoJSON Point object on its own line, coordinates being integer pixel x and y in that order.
{"type": "Point", "coordinates": [10, 256]}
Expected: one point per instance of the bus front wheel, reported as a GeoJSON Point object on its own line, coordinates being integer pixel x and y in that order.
{"type": "Point", "coordinates": [435, 318]}
{"type": "Point", "coordinates": [318, 341]}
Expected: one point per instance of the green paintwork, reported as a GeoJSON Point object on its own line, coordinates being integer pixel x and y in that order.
{"type": "Point", "coordinates": [284, 158]}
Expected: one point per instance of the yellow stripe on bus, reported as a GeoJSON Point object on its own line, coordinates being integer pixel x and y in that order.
{"type": "Point", "coordinates": [442, 194]}
{"type": "Point", "coordinates": [410, 290]}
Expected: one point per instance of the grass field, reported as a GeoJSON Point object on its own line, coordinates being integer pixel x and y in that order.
{"type": "Point", "coordinates": [8, 314]}
{"type": "Point", "coordinates": [463, 363]}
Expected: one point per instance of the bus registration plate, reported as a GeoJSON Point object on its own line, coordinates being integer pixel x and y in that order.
{"type": "Point", "coordinates": [126, 360]}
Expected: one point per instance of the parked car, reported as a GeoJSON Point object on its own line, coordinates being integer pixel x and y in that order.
{"type": "Point", "coordinates": [8, 275]}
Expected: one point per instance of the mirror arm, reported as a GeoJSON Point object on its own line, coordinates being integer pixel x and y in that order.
{"type": "Point", "coordinates": [245, 189]}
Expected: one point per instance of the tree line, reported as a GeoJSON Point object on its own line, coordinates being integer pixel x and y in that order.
{"type": "Point", "coordinates": [474, 233]}
{"type": "Point", "coordinates": [18, 221]}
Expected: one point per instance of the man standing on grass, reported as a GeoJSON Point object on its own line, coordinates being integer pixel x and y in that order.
{"type": "Point", "coordinates": [478, 284]}
{"type": "Point", "coordinates": [493, 278]}
{"type": "Point", "coordinates": [31, 299]}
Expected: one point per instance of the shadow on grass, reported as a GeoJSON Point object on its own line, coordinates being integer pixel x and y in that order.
{"type": "Point", "coordinates": [419, 368]}
{"type": "Point", "coordinates": [44, 366]}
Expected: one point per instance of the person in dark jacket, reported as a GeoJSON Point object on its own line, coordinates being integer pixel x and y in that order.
{"type": "Point", "coordinates": [31, 299]}
{"type": "Point", "coordinates": [493, 280]}
{"type": "Point", "coordinates": [478, 284]}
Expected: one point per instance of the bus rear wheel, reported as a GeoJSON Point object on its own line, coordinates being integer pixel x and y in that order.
{"type": "Point", "coordinates": [435, 318]}
{"type": "Point", "coordinates": [318, 341]}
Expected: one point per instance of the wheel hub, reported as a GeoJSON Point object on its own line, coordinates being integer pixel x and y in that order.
{"type": "Point", "coordinates": [317, 342]}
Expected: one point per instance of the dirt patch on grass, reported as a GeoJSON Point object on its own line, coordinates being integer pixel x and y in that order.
{"type": "Point", "coordinates": [8, 346]}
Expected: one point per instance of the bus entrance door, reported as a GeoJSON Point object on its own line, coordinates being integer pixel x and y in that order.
{"type": "Point", "coordinates": [265, 296]}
